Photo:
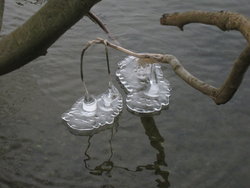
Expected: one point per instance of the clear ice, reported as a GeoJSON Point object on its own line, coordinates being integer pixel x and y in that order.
{"type": "Point", "coordinates": [90, 114]}
{"type": "Point", "coordinates": [148, 91]}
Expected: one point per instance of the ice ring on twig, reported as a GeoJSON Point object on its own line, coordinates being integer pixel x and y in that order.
{"type": "Point", "coordinates": [148, 90]}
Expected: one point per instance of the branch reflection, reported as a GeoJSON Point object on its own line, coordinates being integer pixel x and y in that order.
{"type": "Point", "coordinates": [158, 166]}
{"type": "Point", "coordinates": [107, 165]}
{"type": "Point", "coordinates": [156, 141]}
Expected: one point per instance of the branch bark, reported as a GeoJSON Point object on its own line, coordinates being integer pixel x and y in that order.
{"type": "Point", "coordinates": [163, 58]}
{"type": "Point", "coordinates": [37, 34]}
{"type": "Point", "coordinates": [219, 95]}
{"type": "Point", "coordinates": [225, 21]}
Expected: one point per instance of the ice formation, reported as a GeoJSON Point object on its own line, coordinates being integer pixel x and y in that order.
{"type": "Point", "coordinates": [90, 114]}
{"type": "Point", "coordinates": [148, 91]}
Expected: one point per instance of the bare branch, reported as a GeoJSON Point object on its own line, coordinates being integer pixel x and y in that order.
{"type": "Point", "coordinates": [219, 95]}
{"type": "Point", "coordinates": [225, 21]}
{"type": "Point", "coordinates": [38, 33]}
{"type": "Point", "coordinates": [234, 79]}
{"type": "Point", "coordinates": [163, 58]}
{"type": "Point", "coordinates": [99, 22]}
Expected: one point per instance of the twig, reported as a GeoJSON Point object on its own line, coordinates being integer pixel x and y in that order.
{"type": "Point", "coordinates": [223, 20]}
{"type": "Point", "coordinates": [98, 21]}
{"type": "Point", "coordinates": [163, 58]}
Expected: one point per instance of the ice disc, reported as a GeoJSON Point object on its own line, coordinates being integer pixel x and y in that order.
{"type": "Point", "coordinates": [148, 90]}
{"type": "Point", "coordinates": [86, 117]}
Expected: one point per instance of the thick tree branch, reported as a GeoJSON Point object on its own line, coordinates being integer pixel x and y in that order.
{"type": "Point", "coordinates": [36, 35]}
{"type": "Point", "coordinates": [225, 21]}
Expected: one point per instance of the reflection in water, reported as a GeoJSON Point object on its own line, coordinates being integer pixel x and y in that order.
{"type": "Point", "coordinates": [106, 166]}
{"type": "Point", "coordinates": [158, 166]}
{"type": "Point", "coordinates": [36, 2]}
{"type": "Point", "coordinates": [156, 140]}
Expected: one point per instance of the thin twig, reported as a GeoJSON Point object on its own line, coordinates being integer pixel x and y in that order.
{"type": "Point", "coordinates": [99, 22]}
{"type": "Point", "coordinates": [107, 56]}
{"type": "Point", "coordinates": [163, 58]}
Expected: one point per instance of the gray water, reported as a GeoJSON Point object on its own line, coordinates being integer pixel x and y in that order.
{"type": "Point", "coordinates": [194, 143]}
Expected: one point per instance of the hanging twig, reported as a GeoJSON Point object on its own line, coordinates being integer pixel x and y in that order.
{"type": "Point", "coordinates": [223, 20]}
{"type": "Point", "coordinates": [99, 22]}
{"type": "Point", "coordinates": [219, 95]}
{"type": "Point", "coordinates": [163, 58]}
{"type": "Point", "coordinates": [105, 42]}
{"type": "Point", "coordinates": [96, 20]}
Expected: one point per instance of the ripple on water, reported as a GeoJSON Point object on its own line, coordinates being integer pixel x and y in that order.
{"type": "Point", "coordinates": [204, 145]}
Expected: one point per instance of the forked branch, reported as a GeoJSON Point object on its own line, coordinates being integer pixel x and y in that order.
{"type": "Point", "coordinates": [163, 58]}
{"type": "Point", "coordinates": [225, 21]}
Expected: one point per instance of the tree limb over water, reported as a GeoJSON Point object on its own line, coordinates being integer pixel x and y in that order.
{"type": "Point", "coordinates": [225, 21]}
{"type": "Point", "coordinates": [32, 39]}
{"type": "Point", "coordinates": [37, 34]}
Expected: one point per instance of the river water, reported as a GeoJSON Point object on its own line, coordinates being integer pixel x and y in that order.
{"type": "Point", "coordinates": [194, 143]}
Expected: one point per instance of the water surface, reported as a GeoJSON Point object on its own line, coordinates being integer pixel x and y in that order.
{"type": "Point", "coordinates": [194, 143]}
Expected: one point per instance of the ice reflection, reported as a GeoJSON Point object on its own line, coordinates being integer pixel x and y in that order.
{"type": "Point", "coordinates": [158, 166]}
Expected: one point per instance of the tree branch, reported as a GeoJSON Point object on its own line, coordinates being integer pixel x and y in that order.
{"type": "Point", "coordinates": [219, 95]}
{"type": "Point", "coordinates": [225, 21]}
{"type": "Point", "coordinates": [37, 34]}
{"type": "Point", "coordinates": [163, 58]}
{"type": "Point", "coordinates": [97, 21]}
